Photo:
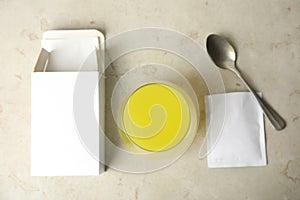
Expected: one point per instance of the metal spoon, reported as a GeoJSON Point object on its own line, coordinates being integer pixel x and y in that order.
{"type": "Point", "coordinates": [223, 55]}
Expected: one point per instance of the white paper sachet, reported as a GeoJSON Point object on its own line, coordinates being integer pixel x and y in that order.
{"type": "Point", "coordinates": [241, 143]}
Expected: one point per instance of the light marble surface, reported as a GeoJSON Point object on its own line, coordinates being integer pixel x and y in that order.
{"type": "Point", "coordinates": [267, 36]}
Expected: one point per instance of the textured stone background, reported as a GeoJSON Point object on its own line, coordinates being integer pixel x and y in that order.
{"type": "Point", "coordinates": [267, 36]}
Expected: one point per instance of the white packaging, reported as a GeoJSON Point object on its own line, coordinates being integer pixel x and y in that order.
{"type": "Point", "coordinates": [242, 140]}
{"type": "Point", "coordinates": [56, 146]}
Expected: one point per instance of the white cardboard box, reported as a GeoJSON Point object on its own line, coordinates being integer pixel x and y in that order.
{"type": "Point", "coordinates": [57, 149]}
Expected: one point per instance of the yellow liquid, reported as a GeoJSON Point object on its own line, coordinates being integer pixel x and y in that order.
{"type": "Point", "coordinates": [156, 117]}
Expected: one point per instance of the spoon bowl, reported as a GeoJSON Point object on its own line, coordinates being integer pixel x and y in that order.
{"type": "Point", "coordinates": [221, 51]}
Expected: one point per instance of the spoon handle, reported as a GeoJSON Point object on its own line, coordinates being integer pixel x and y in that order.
{"type": "Point", "coordinates": [275, 119]}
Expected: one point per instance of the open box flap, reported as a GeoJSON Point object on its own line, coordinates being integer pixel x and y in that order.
{"type": "Point", "coordinates": [71, 50]}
